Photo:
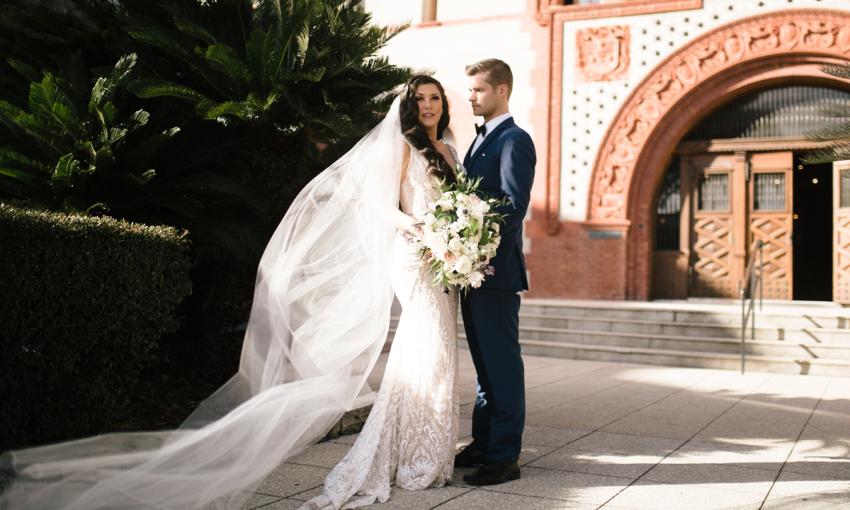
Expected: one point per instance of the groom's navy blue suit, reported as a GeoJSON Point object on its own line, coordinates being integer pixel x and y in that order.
{"type": "Point", "coordinates": [505, 162]}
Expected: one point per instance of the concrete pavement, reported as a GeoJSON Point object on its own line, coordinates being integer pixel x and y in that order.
{"type": "Point", "coordinates": [624, 436]}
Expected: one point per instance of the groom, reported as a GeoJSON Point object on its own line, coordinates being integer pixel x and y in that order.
{"type": "Point", "coordinates": [503, 156]}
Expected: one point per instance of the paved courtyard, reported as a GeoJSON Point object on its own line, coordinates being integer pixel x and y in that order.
{"type": "Point", "coordinates": [621, 436]}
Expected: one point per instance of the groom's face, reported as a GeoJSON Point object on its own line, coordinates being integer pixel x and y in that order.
{"type": "Point", "coordinates": [483, 97]}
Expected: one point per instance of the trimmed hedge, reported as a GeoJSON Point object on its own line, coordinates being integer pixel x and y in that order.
{"type": "Point", "coordinates": [84, 302]}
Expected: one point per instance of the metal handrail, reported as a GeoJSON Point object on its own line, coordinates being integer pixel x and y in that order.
{"type": "Point", "coordinates": [753, 279]}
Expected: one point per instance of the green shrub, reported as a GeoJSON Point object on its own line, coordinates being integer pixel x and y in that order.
{"type": "Point", "coordinates": [85, 300]}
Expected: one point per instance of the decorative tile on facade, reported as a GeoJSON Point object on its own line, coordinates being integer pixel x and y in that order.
{"type": "Point", "coordinates": [603, 53]}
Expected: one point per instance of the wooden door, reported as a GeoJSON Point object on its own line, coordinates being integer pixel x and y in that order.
{"type": "Point", "coordinates": [672, 231]}
{"type": "Point", "coordinates": [714, 268]}
{"type": "Point", "coordinates": [841, 232]}
{"type": "Point", "coordinates": [770, 218]}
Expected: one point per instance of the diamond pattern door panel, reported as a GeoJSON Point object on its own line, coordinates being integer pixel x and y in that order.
{"type": "Point", "coordinates": [713, 264]}
{"type": "Point", "coordinates": [775, 232]}
{"type": "Point", "coordinates": [713, 274]}
{"type": "Point", "coordinates": [770, 219]}
{"type": "Point", "coordinates": [841, 281]}
{"type": "Point", "coordinates": [841, 232]}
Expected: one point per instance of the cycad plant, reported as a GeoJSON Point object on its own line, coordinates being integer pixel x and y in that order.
{"type": "Point", "coordinates": [837, 131]}
{"type": "Point", "coordinates": [265, 94]}
{"type": "Point", "coordinates": [79, 155]}
{"type": "Point", "coordinates": [92, 152]}
{"type": "Point", "coordinates": [298, 81]}
{"type": "Point", "coordinates": [290, 65]}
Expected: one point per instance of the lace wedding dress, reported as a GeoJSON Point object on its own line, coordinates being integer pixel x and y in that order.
{"type": "Point", "coordinates": [410, 435]}
{"type": "Point", "coordinates": [319, 319]}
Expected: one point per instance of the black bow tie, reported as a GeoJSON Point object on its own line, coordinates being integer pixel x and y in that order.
{"type": "Point", "coordinates": [481, 130]}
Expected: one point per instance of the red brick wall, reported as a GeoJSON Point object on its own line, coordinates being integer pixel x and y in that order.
{"type": "Point", "coordinates": [571, 265]}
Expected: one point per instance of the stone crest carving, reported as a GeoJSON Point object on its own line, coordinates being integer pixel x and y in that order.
{"type": "Point", "coordinates": [603, 53]}
{"type": "Point", "coordinates": [788, 32]}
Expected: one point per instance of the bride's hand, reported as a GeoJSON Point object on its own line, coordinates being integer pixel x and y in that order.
{"type": "Point", "coordinates": [410, 228]}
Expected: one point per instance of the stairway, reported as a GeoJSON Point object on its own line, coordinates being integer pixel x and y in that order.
{"type": "Point", "coordinates": [790, 337]}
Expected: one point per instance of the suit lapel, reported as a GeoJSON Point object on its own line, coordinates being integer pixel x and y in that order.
{"type": "Point", "coordinates": [468, 154]}
{"type": "Point", "coordinates": [487, 141]}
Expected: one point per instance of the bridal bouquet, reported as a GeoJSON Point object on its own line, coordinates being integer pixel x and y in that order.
{"type": "Point", "coordinates": [460, 234]}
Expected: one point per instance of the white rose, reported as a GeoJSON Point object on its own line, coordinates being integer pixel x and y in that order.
{"type": "Point", "coordinates": [475, 279]}
{"type": "Point", "coordinates": [463, 265]}
{"type": "Point", "coordinates": [444, 204]}
{"type": "Point", "coordinates": [455, 245]}
{"type": "Point", "coordinates": [429, 219]}
{"type": "Point", "coordinates": [437, 246]}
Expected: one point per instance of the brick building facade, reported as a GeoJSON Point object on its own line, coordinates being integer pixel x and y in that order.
{"type": "Point", "coordinates": [618, 96]}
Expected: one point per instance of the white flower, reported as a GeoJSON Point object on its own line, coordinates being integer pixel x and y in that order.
{"type": "Point", "coordinates": [444, 204]}
{"type": "Point", "coordinates": [463, 265]}
{"type": "Point", "coordinates": [429, 219]}
{"type": "Point", "coordinates": [458, 225]}
{"type": "Point", "coordinates": [455, 245]}
{"type": "Point", "coordinates": [436, 244]}
{"type": "Point", "coordinates": [475, 278]}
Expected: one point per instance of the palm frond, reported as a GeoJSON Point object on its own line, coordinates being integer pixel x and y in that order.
{"type": "Point", "coordinates": [839, 70]}
{"type": "Point", "coordinates": [837, 151]}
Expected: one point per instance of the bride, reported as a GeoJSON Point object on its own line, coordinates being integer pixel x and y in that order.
{"type": "Point", "coordinates": [319, 320]}
{"type": "Point", "coordinates": [410, 434]}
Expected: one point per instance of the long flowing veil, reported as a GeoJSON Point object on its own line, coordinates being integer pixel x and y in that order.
{"type": "Point", "coordinates": [319, 319]}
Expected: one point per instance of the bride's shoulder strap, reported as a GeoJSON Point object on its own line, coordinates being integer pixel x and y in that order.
{"type": "Point", "coordinates": [405, 160]}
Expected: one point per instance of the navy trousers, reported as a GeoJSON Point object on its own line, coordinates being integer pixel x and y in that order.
{"type": "Point", "coordinates": [491, 321]}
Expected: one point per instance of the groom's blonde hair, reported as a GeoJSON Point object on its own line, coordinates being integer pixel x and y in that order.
{"type": "Point", "coordinates": [497, 72]}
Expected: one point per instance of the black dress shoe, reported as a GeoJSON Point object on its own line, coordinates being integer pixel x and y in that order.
{"type": "Point", "coordinates": [494, 473]}
{"type": "Point", "coordinates": [470, 457]}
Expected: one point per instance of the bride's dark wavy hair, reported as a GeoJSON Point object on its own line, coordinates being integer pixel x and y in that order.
{"type": "Point", "coordinates": [416, 134]}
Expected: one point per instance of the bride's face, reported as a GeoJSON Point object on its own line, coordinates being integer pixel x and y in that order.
{"type": "Point", "coordinates": [430, 105]}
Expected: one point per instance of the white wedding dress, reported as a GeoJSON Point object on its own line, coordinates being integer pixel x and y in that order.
{"type": "Point", "coordinates": [319, 319]}
{"type": "Point", "coordinates": [410, 436]}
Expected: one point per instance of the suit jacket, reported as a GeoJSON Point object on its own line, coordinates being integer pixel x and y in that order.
{"type": "Point", "coordinates": [505, 162]}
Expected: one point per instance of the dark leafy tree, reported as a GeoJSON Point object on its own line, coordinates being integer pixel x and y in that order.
{"type": "Point", "coordinates": [237, 94]}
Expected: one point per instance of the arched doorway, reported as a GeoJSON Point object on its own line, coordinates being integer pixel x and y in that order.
{"type": "Point", "coordinates": [787, 47]}
{"type": "Point", "coordinates": [755, 144]}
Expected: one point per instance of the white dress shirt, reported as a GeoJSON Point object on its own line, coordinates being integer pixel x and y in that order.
{"type": "Point", "coordinates": [491, 125]}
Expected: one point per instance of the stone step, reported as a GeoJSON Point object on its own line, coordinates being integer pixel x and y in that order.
{"type": "Point", "coordinates": [695, 329]}
{"type": "Point", "coordinates": [788, 365]}
{"type": "Point", "coordinates": [806, 336]}
{"type": "Point", "coordinates": [779, 348]}
{"type": "Point", "coordinates": [771, 316]}
{"type": "Point", "coordinates": [775, 348]}
{"type": "Point", "coordinates": [790, 337]}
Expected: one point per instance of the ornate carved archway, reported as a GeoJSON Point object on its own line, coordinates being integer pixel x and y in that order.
{"type": "Point", "coordinates": [752, 53]}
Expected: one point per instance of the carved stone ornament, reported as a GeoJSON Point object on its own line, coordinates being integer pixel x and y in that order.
{"type": "Point", "coordinates": [825, 32]}
{"type": "Point", "coordinates": [603, 53]}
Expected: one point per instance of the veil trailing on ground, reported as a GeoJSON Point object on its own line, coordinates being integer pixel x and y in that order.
{"type": "Point", "coordinates": [319, 320]}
